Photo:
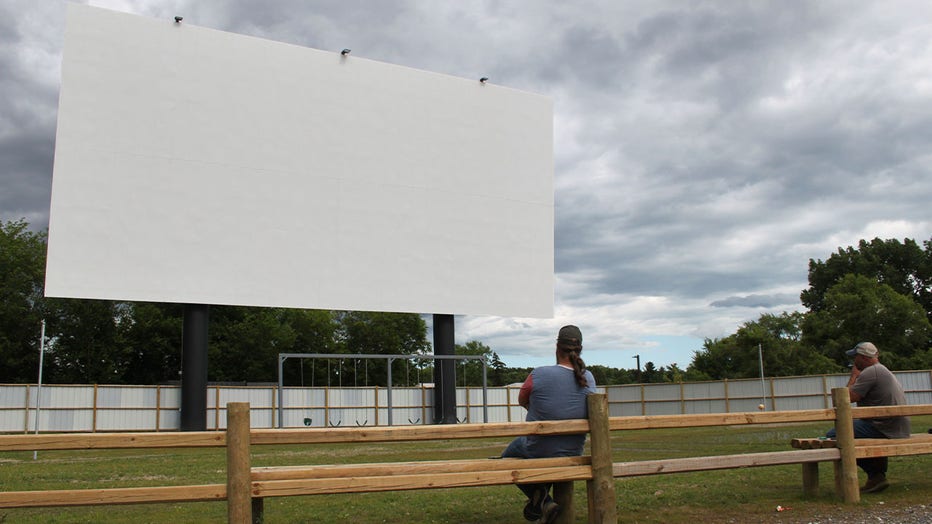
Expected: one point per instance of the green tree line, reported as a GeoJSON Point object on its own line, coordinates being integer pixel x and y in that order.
{"type": "Point", "coordinates": [880, 291]}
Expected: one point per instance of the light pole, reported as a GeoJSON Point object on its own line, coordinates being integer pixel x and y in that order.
{"type": "Point", "coordinates": [763, 393]}
{"type": "Point", "coordinates": [638, 357]}
{"type": "Point", "coordinates": [35, 454]}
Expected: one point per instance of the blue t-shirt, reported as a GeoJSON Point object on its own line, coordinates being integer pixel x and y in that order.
{"type": "Point", "coordinates": [555, 395]}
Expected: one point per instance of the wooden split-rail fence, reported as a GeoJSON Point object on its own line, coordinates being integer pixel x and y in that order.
{"type": "Point", "coordinates": [246, 486]}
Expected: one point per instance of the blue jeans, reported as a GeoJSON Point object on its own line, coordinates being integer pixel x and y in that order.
{"type": "Point", "coordinates": [518, 449]}
{"type": "Point", "coordinates": [864, 429]}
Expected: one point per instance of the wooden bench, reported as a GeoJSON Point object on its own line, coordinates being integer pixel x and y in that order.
{"type": "Point", "coordinates": [844, 458]}
{"type": "Point", "coordinates": [916, 444]}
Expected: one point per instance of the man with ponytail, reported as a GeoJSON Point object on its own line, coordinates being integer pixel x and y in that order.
{"type": "Point", "coordinates": [555, 392]}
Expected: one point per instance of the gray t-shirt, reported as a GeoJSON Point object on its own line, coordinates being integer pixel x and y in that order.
{"type": "Point", "coordinates": [878, 387]}
{"type": "Point", "coordinates": [556, 396]}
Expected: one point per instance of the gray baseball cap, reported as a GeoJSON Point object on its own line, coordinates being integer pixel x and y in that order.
{"type": "Point", "coordinates": [865, 349]}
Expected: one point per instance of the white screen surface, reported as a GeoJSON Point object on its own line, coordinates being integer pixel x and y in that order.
{"type": "Point", "coordinates": [197, 166]}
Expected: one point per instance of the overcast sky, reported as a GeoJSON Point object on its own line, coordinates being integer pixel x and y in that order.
{"type": "Point", "coordinates": [703, 151]}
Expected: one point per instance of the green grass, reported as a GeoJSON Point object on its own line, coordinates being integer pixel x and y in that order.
{"type": "Point", "coordinates": [739, 495]}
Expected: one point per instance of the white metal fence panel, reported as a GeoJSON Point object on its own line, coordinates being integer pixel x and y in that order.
{"type": "Point", "coordinates": [125, 420]}
{"type": "Point", "coordinates": [156, 408]}
{"type": "Point", "coordinates": [625, 401]}
{"type": "Point", "coordinates": [14, 415]}
{"type": "Point", "coordinates": [662, 392]}
{"type": "Point", "coordinates": [799, 393]}
{"type": "Point", "coordinates": [704, 397]}
{"type": "Point", "coordinates": [125, 396]}
{"type": "Point", "coordinates": [917, 386]}
{"type": "Point", "coordinates": [67, 396]}
{"type": "Point", "coordinates": [14, 396]}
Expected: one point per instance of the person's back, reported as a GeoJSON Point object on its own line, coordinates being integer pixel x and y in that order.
{"type": "Point", "coordinates": [877, 386]}
{"type": "Point", "coordinates": [553, 393]}
{"type": "Point", "coordinates": [557, 396]}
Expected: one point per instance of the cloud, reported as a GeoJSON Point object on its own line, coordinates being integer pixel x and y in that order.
{"type": "Point", "coordinates": [758, 301]}
{"type": "Point", "coordinates": [703, 151]}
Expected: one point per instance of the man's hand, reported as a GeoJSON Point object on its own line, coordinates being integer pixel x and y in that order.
{"type": "Point", "coordinates": [855, 373]}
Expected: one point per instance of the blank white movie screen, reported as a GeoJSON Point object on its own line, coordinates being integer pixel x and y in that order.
{"type": "Point", "coordinates": [204, 167]}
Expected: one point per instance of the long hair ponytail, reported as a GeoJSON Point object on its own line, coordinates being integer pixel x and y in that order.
{"type": "Point", "coordinates": [579, 367]}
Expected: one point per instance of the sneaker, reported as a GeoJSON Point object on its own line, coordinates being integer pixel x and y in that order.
{"type": "Point", "coordinates": [875, 484]}
{"type": "Point", "coordinates": [534, 508]}
{"type": "Point", "coordinates": [551, 512]}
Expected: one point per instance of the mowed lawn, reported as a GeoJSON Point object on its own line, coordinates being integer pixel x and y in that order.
{"type": "Point", "coordinates": [739, 495]}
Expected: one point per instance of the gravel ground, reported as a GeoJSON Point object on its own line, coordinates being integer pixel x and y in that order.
{"type": "Point", "coordinates": [878, 513]}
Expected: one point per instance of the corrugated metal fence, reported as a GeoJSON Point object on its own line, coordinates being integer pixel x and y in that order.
{"type": "Point", "coordinates": [89, 408]}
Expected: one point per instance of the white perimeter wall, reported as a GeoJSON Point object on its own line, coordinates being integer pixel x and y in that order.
{"type": "Point", "coordinates": [156, 408]}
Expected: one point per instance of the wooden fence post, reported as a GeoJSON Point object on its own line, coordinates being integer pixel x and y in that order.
{"type": "Point", "coordinates": [844, 437]}
{"type": "Point", "coordinates": [239, 503]}
{"type": "Point", "coordinates": [811, 479]}
{"type": "Point", "coordinates": [601, 489]}
{"type": "Point", "coordinates": [563, 495]}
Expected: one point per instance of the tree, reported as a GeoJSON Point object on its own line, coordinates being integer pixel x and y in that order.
{"type": "Point", "coordinates": [905, 267]}
{"type": "Point", "coordinates": [245, 343]}
{"type": "Point", "coordinates": [315, 331]}
{"type": "Point", "coordinates": [22, 272]}
{"type": "Point", "coordinates": [516, 375]}
{"type": "Point", "coordinates": [470, 371]}
{"type": "Point", "coordinates": [673, 373]}
{"type": "Point", "coordinates": [152, 334]}
{"type": "Point", "coordinates": [859, 308]}
{"type": "Point", "coordinates": [497, 371]}
{"type": "Point", "coordinates": [605, 376]}
{"type": "Point", "coordinates": [650, 373]}
{"type": "Point", "coordinates": [366, 332]}
{"type": "Point", "coordinates": [86, 346]}
{"type": "Point", "coordinates": [778, 336]}
{"type": "Point", "coordinates": [382, 333]}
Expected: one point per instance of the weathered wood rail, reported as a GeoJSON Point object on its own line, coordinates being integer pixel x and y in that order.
{"type": "Point", "coordinates": [247, 486]}
{"type": "Point", "coordinates": [253, 485]}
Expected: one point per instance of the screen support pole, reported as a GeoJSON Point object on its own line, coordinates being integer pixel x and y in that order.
{"type": "Point", "coordinates": [444, 371]}
{"type": "Point", "coordinates": [194, 368]}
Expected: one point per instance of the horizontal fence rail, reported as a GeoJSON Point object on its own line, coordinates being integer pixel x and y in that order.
{"type": "Point", "coordinates": [107, 408]}
{"type": "Point", "coordinates": [353, 478]}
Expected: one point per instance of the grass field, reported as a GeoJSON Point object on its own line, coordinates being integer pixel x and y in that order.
{"type": "Point", "coordinates": [740, 495]}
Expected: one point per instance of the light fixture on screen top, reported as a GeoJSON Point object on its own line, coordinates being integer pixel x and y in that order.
{"type": "Point", "coordinates": [346, 52]}
{"type": "Point", "coordinates": [483, 80]}
{"type": "Point", "coordinates": [178, 19]}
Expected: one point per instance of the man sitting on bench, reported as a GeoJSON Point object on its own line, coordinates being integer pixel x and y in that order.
{"type": "Point", "coordinates": [555, 392]}
{"type": "Point", "coordinates": [872, 384]}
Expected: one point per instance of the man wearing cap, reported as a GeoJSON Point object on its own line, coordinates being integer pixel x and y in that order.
{"type": "Point", "coordinates": [555, 392]}
{"type": "Point", "coordinates": [872, 384]}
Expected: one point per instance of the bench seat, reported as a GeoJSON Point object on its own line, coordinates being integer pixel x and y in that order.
{"type": "Point", "coordinates": [916, 444]}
